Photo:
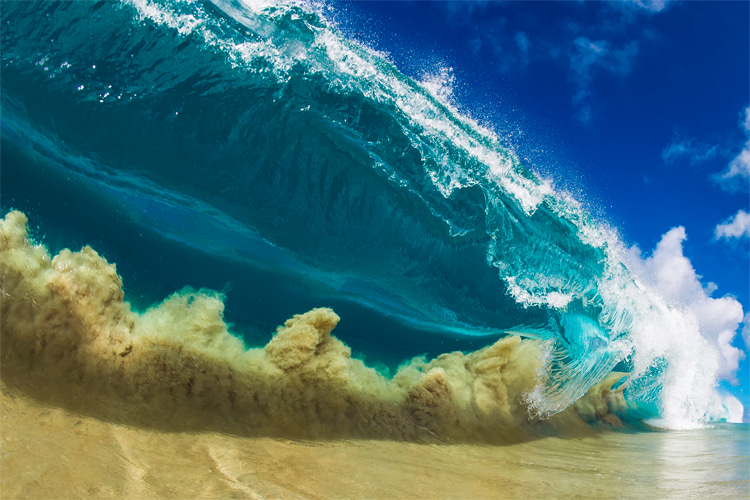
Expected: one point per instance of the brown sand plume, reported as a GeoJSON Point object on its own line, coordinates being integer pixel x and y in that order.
{"type": "Point", "coordinates": [69, 338]}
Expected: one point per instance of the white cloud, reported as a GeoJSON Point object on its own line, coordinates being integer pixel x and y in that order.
{"type": "Point", "coordinates": [735, 177]}
{"type": "Point", "coordinates": [746, 330]}
{"type": "Point", "coordinates": [737, 226]}
{"type": "Point", "coordinates": [650, 5]}
{"type": "Point", "coordinates": [522, 40]}
{"type": "Point", "coordinates": [737, 174]}
{"type": "Point", "coordinates": [523, 44]}
{"type": "Point", "coordinates": [589, 57]}
{"type": "Point", "coordinates": [673, 276]}
{"type": "Point", "coordinates": [689, 149]}
{"type": "Point", "coordinates": [589, 50]}
{"type": "Point", "coordinates": [629, 12]}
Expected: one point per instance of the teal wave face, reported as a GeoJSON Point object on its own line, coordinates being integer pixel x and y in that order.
{"type": "Point", "coordinates": [253, 144]}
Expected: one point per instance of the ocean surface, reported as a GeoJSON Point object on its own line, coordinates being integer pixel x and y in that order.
{"type": "Point", "coordinates": [219, 168]}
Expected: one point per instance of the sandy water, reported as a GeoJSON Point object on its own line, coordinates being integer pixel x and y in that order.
{"type": "Point", "coordinates": [48, 452]}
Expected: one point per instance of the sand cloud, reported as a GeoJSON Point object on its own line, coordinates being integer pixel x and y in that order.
{"type": "Point", "coordinates": [70, 339]}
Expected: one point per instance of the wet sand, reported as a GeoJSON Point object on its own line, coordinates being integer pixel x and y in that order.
{"type": "Point", "coordinates": [49, 452]}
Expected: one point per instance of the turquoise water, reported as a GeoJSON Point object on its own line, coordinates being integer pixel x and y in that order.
{"type": "Point", "coordinates": [252, 149]}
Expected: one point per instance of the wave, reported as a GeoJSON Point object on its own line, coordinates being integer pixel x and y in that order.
{"type": "Point", "coordinates": [254, 133]}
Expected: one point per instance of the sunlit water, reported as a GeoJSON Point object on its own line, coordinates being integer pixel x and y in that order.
{"type": "Point", "coordinates": [249, 147]}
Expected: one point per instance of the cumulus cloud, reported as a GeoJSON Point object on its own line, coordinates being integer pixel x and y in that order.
{"type": "Point", "coordinates": [737, 226]}
{"type": "Point", "coordinates": [737, 174]}
{"type": "Point", "coordinates": [673, 276]}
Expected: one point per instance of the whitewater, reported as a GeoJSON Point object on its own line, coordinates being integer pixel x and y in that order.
{"type": "Point", "coordinates": [224, 167]}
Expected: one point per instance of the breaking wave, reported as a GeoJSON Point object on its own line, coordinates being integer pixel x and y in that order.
{"type": "Point", "coordinates": [204, 143]}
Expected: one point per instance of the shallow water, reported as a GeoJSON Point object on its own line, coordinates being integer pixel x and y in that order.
{"type": "Point", "coordinates": [52, 453]}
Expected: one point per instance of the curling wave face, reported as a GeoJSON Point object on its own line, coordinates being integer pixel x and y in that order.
{"type": "Point", "coordinates": [255, 134]}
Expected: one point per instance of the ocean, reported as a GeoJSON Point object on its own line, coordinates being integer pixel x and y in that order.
{"type": "Point", "coordinates": [227, 226]}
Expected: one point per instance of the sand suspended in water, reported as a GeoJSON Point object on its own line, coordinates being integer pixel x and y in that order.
{"type": "Point", "coordinates": [69, 339]}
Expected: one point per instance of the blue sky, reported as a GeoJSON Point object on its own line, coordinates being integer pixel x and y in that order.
{"type": "Point", "coordinates": [638, 108]}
